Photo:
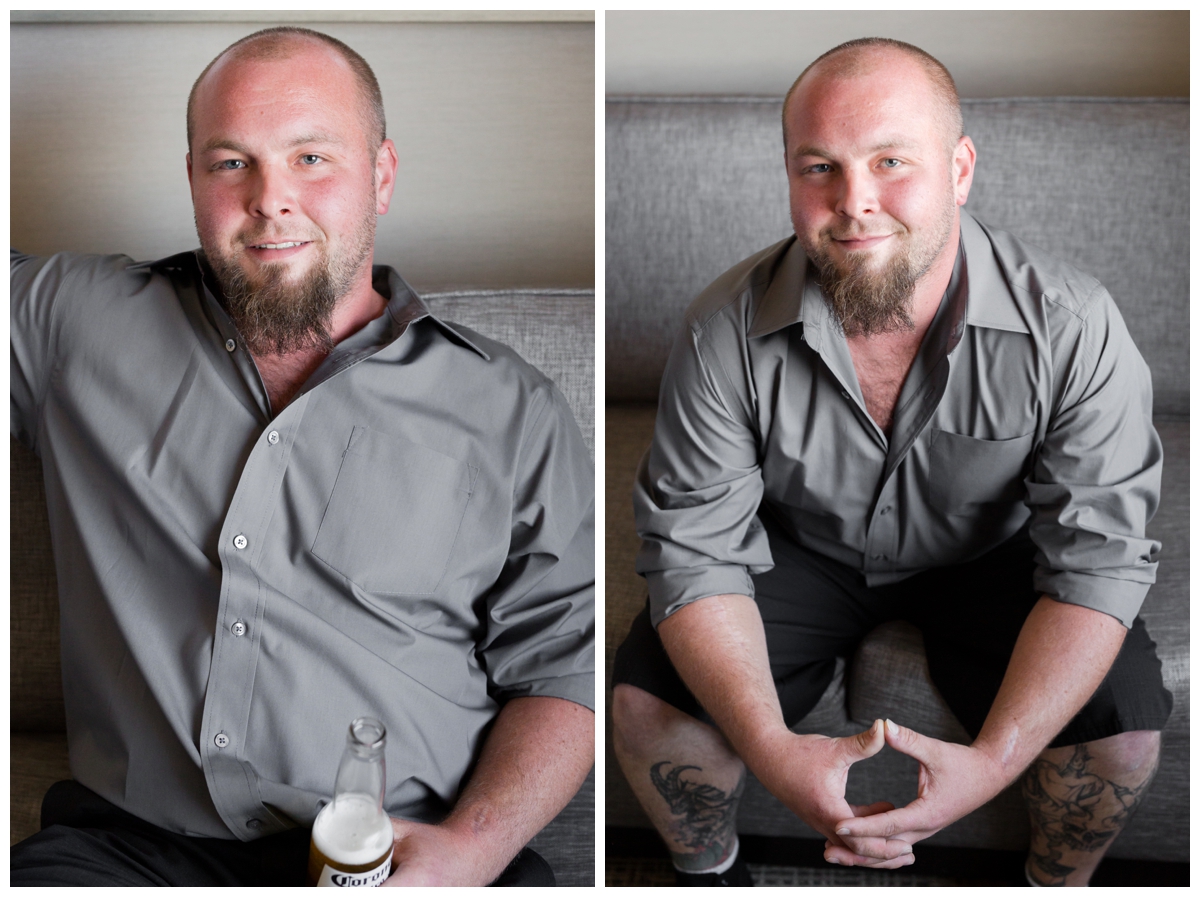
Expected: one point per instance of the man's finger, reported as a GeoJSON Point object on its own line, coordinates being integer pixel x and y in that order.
{"type": "Point", "coordinates": [907, 741]}
{"type": "Point", "coordinates": [840, 856]}
{"type": "Point", "coordinates": [883, 825]}
{"type": "Point", "coordinates": [875, 849]}
{"type": "Point", "coordinates": [864, 744]}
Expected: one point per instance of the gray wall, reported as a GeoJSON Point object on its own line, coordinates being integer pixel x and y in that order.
{"type": "Point", "coordinates": [493, 120]}
{"type": "Point", "coordinates": [990, 54]}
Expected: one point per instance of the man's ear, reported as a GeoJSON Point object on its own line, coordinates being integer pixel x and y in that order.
{"type": "Point", "coordinates": [386, 163]}
{"type": "Point", "coordinates": [188, 157]}
{"type": "Point", "coordinates": [963, 166]}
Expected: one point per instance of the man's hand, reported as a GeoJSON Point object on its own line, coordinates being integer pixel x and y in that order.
{"type": "Point", "coordinates": [433, 855]}
{"type": "Point", "coordinates": [808, 773]}
{"type": "Point", "coordinates": [535, 757]}
{"type": "Point", "coordinates": [954, 780]}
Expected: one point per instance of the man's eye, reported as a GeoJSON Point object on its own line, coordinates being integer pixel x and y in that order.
{"type": "Point", "coordinates": [310, 158]}
{"type": "Point", "coordinates": [820, 168]}
{"type": "Point", "coordinates": [231, 164]}
{"type": "Point", "coordinates": [891, 163]}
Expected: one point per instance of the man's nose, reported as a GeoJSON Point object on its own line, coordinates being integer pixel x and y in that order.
{"type": "Point", "coordinates": [273, 193]}
{"type": "Point", "coordinates": [858, 195]}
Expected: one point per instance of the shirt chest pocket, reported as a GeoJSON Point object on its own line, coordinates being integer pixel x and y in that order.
{"type": "Point", "coordinates": [394, 514]}
{"type": "Point", "coordinates": [966, 472]}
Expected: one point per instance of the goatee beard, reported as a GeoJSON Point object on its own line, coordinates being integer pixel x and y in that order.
{"type": "Point", "coordinates": [276, 317]}
{"type": "Point", "coordinates": [864, 302]}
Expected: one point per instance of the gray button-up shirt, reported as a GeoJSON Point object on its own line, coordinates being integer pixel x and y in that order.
{"type": "Point", "coordinates": [1027, 403]}
{"type": "Point", "coordinates": [411, 539]}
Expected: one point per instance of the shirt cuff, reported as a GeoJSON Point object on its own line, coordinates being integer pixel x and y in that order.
{"type": "Point", "coordinates": [1120, 598]}
{"type": "Point", "coordinates": [672, 589]}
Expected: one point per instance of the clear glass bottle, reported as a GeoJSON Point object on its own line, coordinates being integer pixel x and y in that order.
{"type": "Point", "coordinates": [352, 835]}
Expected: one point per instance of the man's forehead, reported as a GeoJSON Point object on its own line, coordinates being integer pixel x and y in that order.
{"type": "Point", "coordinates": [304, 62]}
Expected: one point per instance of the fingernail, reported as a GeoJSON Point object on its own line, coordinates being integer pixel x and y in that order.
{"type": "Point", "coordinates": [891, 726]}
{"type": "Point", "coordinates": [843, 831]}
{"type": "Point", "coordinates": [833, 860]}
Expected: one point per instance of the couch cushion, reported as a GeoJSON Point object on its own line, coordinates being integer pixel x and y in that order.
{"type": "Point", "coordinates": [695, 185]}
{"type": "Point", "coordinates": [35, 683]}
{"type": "Point", "coordinates": [36, 761]}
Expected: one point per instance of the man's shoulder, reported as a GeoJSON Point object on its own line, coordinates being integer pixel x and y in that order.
{"type": "Point", "coordinates": [1032, 272]}
{"type": "Point", "coordinates": [734, 295]}
{"type": "Point", "coordinates": [95, 276]}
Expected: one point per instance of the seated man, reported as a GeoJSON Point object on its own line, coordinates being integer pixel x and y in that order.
{"type": "Point", "coordinates": [284, 495]}
{"type": "Point", "coordinates": [898, 413]}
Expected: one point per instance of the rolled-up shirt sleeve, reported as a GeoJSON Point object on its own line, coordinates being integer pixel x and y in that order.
{"type": "Point", "coordinates": [699, 487]}
{"type": "Point", "coordinates": [1095, 481]}
{"type": "Point", "coordinates": [540, 615]}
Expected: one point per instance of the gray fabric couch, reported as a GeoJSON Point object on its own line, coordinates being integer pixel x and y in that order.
{"type": "Point", "coordinates": [552, 329]}
{"type": "Point", "coordinates": [696, 184]}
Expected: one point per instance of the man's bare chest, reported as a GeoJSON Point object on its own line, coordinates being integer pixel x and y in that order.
{"type": "Point", "coordinates": [881, 367]}
{"type": "Point", "coordinates": [283, 375]}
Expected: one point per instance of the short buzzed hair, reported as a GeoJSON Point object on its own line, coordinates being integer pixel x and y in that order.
{"type": "Point", "coordinates": [279, 43]}
{"type": "Point", "coordinates": [855, 63]}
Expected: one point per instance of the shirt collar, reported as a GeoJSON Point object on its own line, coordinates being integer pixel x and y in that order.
{"type": "Point", "coordinates": [794, 297]}
{"type": "Point", "coordinates": [989, 301]}
{"type": "Point", "coordinates": [404, 305]}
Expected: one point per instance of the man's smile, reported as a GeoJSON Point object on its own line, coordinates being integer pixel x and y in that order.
{"type": "Point", "coordinates": [278, 250]}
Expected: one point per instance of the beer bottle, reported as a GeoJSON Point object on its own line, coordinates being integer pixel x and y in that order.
{"type": "Point", "coordinates": [352, 835]}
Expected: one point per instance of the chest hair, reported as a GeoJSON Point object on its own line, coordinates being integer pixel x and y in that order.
{"type": "Point", "coordinates": [881, 363]}
{"type": "Point", "coordinates": [283, 375]}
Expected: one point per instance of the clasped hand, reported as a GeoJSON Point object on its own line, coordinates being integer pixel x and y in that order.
{"type": "Point", "coordinates": [810, 778]}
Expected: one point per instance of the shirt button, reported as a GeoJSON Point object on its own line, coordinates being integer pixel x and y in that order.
{"type": "Point", "coordinates": [222, 740]}
{"type": "Point", "coordinates": [240, 541]}
{"type": "Point", "coordinates": [273, 437]}
{"type": "Point", "coordinates": [254, 823]}
{"type": "Point", "coordinates": [845, 395]}
{"type": "Point", "coordinates": [230, 345]}
{"type": "Point", "coordinates": [238, 629]}
{"type": "Point", "coordinates": [879, 557]}
{"type": "Point", "coordinates": [885, 511]}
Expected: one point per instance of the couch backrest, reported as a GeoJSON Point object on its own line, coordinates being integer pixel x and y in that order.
{"type": "Point", "coordinates": [695, 184]}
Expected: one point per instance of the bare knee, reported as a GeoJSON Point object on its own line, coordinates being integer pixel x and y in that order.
{"type": "Point", "coordinates": [639, 718]}
{"type": "Point", "coordinates": [1129, 752]}
{"type": "Point", "coordinates": [645, 725]}
{"type": "Point", "coordinates": [1118, 757]}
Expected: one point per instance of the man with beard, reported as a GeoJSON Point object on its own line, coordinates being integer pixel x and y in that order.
{"type": "Point", "coordinates": [898, 413]}
{"type": "Point", "coordinates": [283, 495]}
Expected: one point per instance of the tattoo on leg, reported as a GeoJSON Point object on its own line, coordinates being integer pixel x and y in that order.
{"type": "Point", "coordinates": [708, 815]}
{"type": "Point", "coordinates": [1067, 804]}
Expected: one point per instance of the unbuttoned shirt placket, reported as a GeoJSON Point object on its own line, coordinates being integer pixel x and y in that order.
{"type": "Point", "coordinates": [242, 613]}
{"type": "Point", "coordinates": [919, 397]}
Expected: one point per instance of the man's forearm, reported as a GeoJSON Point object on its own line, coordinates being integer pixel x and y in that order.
{"type": "Point", "coordinates": [719, 648]}
{"type": "Point", "coordinates": [535, 758]}
{"type": "Point", "coordinates": [1061, 656]}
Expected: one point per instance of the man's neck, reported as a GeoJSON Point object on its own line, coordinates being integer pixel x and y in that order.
{"type": "Point", "coordinates": [284, 375]}
{"type": "Point", "coordinates": [882, 360]}
{"type": "Point", "coordinates": [361, 305]}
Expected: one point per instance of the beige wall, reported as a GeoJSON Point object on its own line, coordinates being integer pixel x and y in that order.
{"type": "Point", "coordinates": [493, 121]}
{"type": "Point", "coordinates": [990, 54]}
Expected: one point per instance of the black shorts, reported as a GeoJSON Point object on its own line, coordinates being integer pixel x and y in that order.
{"type": "Point", "coordinates": [815, 609]}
